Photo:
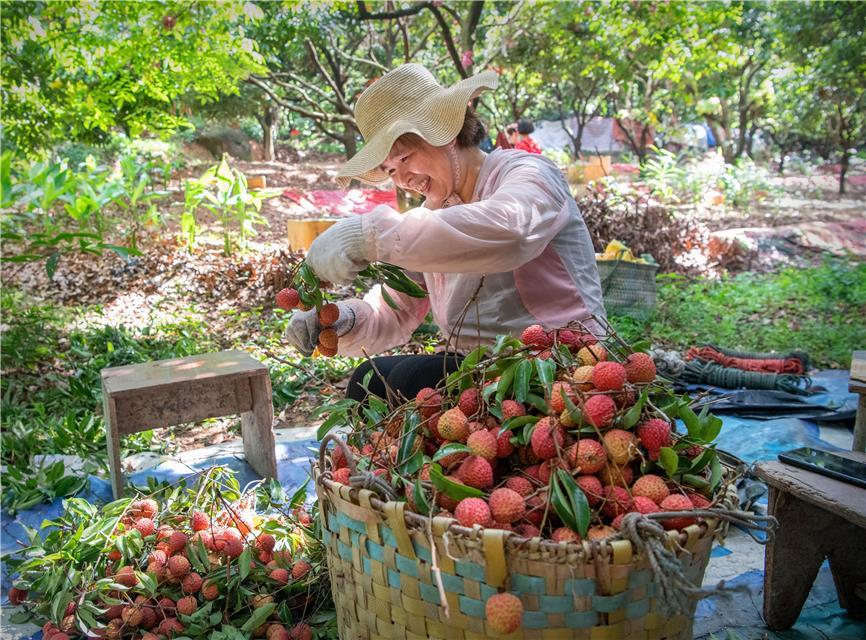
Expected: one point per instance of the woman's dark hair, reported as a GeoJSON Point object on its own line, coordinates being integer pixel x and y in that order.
{"type": "Point", "coordinates": [472, 132]}
{"type": "Point", "coordinates": [525, 127]}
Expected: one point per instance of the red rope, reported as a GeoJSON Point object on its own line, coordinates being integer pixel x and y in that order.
{"type": "Point", "coordinates": [769, 365]}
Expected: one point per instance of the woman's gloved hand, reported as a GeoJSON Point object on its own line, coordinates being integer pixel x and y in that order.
{"type": "Point", "coordinates": [337, 255]}
{"type": "Point", "coordinates": [304, 327]}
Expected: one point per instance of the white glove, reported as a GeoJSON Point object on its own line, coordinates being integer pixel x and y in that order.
{"type": "Point", "coordinates": [304, 327]}
{"type": "Point", "coordinates": [337, 255]}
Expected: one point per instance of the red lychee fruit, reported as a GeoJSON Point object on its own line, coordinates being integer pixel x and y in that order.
{"type": "Point", "coordinates": [178, 566]}
{"type": "Point", "coordinates": [288, 299]}
{"type": "Point", "coordinates": [327, 351]}
{"type": "Point", "coordinates": [620, 446]}
{"type": "Point", "coordinates": [476, 472]}
{"type": "Point", "coordinates": [166, 606]}
{"type": "Point", "coordinates": [512, 409]}
{"type": "Point", "coordinates": [654, 434]}
{"type": "Point", "coordinates": [582, 377]}
{"type": "Point", "coordinates": [587, 455]}
{"type": "Point", "coordinates": [187, 605]}
{"type": "Point", "coordinates": [301, 631]}
{"type": "Point", "coordinates": [591, 486]}
{"type": "Point", "coordinates": [592, 354]}
{"type": "Point", "coordinates": [616, 501]}
{"type": "Point", "coordinates": [453, 425]}
{"type": "Point", "coordinates": [532, 472]}
{"type": "Point", "coordinates": [504, 612]}
{"type": "Point", "coordinates": [300, 569]}
{"type": "Point", "coordinates": [199, 521]}
{"type": "Point", "coordinates": [546, 469]}
{"type": "Point", "coordinates": [644, 505]}
{"type": "Point", "coordinates": [210, 590]}
{"type": "Point", "coordinates": [483, 443]}
{"type": "Point", "coordinates": [472, 511]}
{"type": "Point", "coordinates": [699, 501]}
{"type": "Point", "coordinates": [520, 485]}
{"type": "Point", "coordinates": [527, 530]}
{"type": "Point", "coordinates": [608, 376]}
{"type": "Point", "coordinates": [329, 314]}
{"type": "Point", "coordinates": [113, 611]}
{"type": "Point", "coordinates": [639, 367]}
{"type": "Point", "coordinates": [16, 595]}
{"type": "Point", "coordinates": [146, 508]}
{"type": "Point", "coordinates": [342, 476]}
{"type": "Point", "coordinates": [504, 448]}
{"type": "Point", "coordinates": [171, 627]}
{"type": "Point", "coordinates": [693, 451]}
{"type": "Point", "coordinates": [277, 632]}
{"type": "Point", "coordinates": [564, 534]}
{"type": "Point", "coordinates": [599, 411]}
{"type": "Point", "coordinates": [547, 438]}
{"type": "Point", "coordinates": [114, 555]}
{"type": "Point", "coordinates": [558, 392]}
{"type": "Point", "coordinates": [145, 526]}
{"type": "Point", "coordinates": [126, 576]}
{"type": "Point", "coordinates": [535, 336]}
{"type": "Point", "coordinates": [428, 401]}
{"type": "Point", "coordinates": [191, 583]}
{"type": "Point", "coordinates": [469, 401]}
{"type": "Point", "coordinates": [233, 548]}
{"type": "Point", "coordinates": [616, 475]}
{"type": "Point", "coordinates": [600, 532]}
{"type": "Point", "coordinates": [328, 341]}
{"type": "Point", "coordinates": [651, 486]}
{"type": "Point", "coordinates": [280, 575]}
{"type": "Point", "coordinates": [677, 502]}
{"type": "Point", "coordinates": [506, 505]}
{"type": "Point", "coordinates": [131, 616]}
{"type": "Point", "coordinates": [177, 541]}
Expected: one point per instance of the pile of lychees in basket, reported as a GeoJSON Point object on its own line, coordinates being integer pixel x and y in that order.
{"type": "Point", "coordinates": [197, 563]}
{"type": "Point", "coordinates": [558, 435]}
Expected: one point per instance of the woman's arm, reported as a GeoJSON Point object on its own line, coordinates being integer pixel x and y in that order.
{"type": "Point", "coordinates": [497, 234]}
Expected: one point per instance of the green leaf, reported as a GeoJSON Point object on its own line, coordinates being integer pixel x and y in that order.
{"type": "Point", "coordinates": [641, 345]}
{"type": "Point", "coordinates": [518, 421]}
{"type": "Point", "coordinates": [259, 616]}
{"type": "Point", "coordinates": [51, 264]}
{"type": "Point", "coordinates": [632, 416]}
{"type": "Point", "coordinates": [504, 382]}
{"type": "Point", "coordinates": [455, 490]}
{"type": "Point", "coordinates": [711, 428]}
{"type": "Point", "coordinates": [420, 498]}
{"type": "Point", "coordinates": [702, 460]}
{"type": "Point", "coordinates": [410, 433]}
{"type": "Point", "coordinates": [716, 473]}
{"type": "Point", "coordinates": [391, 302]}
{"type": "Point", "coordinates": [538, 402]}
{"type": "Point", "coordinates": [521, 380]}
{"type": "Point", "coordinates": [546, 370]}
{"type": "Point", "coordinates": [691, 421]}
{"type": "Point", "coordinates": [448, 449]}
{"type": "Point", "coordinates": [669, 461]}
{"type": "Point", "coordinates": [579, 506]}
{"type": "Point", "coordinates": [244, 562]}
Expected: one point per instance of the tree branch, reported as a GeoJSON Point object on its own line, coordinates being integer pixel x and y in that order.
{"type": "Point", "coordinates": [449, 41]}
{"type": "Point", "coordinates": [364, 13]}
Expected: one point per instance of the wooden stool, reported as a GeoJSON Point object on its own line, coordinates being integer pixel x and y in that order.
{"type": "Point", "coordinates": [168, 392]}
{"type": "Point", "coordinates": [857, 384]}
{"type": "Point", "coordinates": [818, 517]}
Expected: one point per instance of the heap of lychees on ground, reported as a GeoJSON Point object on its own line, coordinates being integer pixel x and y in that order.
{"type": "Point", "coordinates": [557, 435]}
{"type": "Point", "coordinates": [199, 563]}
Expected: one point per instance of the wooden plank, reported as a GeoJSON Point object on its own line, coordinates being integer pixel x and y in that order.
{"type": "Point", "coordinates": [162, 374]}
{"type": "Point", "coordinates": [845, 500]}
{"type": "Point", "coordinates": [857, 384]}
{"type": "Point", "coordinates": [191, 401]}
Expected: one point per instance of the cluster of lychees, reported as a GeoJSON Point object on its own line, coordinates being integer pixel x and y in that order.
{"type": "Point", "coordinates": [289, 299]}
{"type": "Point", "coordinates": [186, 583]}
{"type": "Point", "coordinates": [579, 428]}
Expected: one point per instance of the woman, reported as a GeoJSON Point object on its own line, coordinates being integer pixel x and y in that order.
{"type": "Point", "coordinates": [524, 141]}
{"type": "Point", "coordinates": [499, 241]}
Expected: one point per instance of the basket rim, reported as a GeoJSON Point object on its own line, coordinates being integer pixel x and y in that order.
{"type": "Point", "coordinates": [589, 549]}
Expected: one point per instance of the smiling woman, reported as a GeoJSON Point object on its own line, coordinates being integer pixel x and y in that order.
{"type": "Point", "coordinates": [499, 243]}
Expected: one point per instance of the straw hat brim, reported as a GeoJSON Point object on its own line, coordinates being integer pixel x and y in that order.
{"type": "Point", "coordinates": [442, 119]}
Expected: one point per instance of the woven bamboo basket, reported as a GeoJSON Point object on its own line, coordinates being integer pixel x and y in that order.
{"type": "Point", "coordinates": [628, 288]}
{"type": "Point", "coordinates": [383, 561]}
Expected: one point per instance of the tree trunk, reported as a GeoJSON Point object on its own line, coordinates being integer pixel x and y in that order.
{"type": "Point", "coordinates": [269, 121]}
{"type": "Point", "coordinates": [843, 169]}
{"type": "Point", "coordinates": [350, 142]}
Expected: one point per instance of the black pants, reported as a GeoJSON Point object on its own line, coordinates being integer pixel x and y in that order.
{"type": "Point", "coordinates": [405, 375]}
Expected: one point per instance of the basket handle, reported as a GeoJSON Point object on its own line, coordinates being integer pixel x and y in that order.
{"type": "Point", "coordinates": [323, 449]}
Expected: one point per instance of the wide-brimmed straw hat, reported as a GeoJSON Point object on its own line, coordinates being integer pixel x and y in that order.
{"type": "Point", "coordinates": [408, 100]}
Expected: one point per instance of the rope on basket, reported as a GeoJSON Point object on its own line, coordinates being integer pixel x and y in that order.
{"type": "Point", "coordinates": [649, 537]}
{"type": "Point", "coordinates": [358, 479]}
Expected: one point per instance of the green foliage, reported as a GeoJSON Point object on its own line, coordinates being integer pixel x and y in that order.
{"type": "Point", "coordinates": [222, 189]}
{"type": "Point", "coordinates": [76, 71]}
{"type": "Point", "coordinates": [818, 310]}
{"type": "Point", "coordinates": [744, 183]}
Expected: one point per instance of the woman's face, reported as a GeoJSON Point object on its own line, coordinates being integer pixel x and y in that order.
{"type": "Point", "coordinates": [418, 166]}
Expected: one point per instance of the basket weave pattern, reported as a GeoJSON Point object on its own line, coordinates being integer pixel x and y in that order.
{"type": "Point", "coordinates": [384, 586]}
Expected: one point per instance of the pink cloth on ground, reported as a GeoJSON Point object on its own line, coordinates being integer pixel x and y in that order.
{"type": "Point", "coordinates": [342, 203]}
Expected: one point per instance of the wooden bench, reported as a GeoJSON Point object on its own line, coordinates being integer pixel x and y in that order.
{"type": "Point", "coordinates": [857, 384]}
{"type": "Point", "coordinates": [170, 392]}
{"type": "Point", "coordinates": [818, 517]}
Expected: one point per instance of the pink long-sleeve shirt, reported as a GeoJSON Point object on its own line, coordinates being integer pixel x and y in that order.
{"type": "Point", "coordinates": [522, 231]}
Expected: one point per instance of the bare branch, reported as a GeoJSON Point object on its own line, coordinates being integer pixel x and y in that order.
{"type": "Point", "coordinates": [449, 41]}
{"type": "Point", "coordinates": [364, 13]}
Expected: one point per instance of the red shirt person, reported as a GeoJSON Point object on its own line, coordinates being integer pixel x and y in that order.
{"type": "Point", "coordinates": [524, 141]}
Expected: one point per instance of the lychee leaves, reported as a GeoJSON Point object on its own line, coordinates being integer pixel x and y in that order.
{"type": "Point", "coordinates": [452, 489]}
{"type": "Point", "coordinates": [408, 462]}
{"type": "Point", "coordinates": [448, 449]}
{"type": "Point", "coordinates": [569, 502]}
{"type": "Point", "coordinates": [421, 502]}
{"type": "Point", "coordinates": [259, 616]}
{"type": "Point", "coordinates": [462, 378]}
{"type": "Point", "coordinates": [632, 416]}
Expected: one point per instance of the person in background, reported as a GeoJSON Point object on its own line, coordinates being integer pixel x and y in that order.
{"type": "Point", "coordinates": [524, 140]}
{"type": "Point", "coordinates": [503, 139]}
{"type": "Point", "coordinates": [498, 245]}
